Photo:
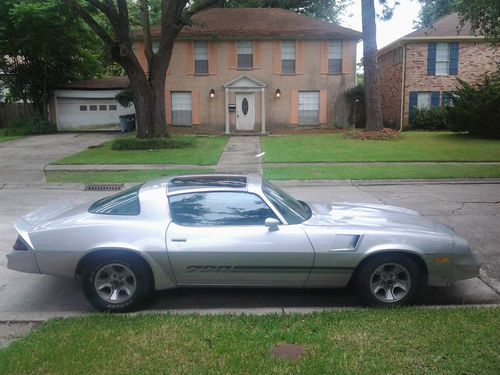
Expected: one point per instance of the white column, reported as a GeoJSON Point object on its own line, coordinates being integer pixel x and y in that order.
{"type": "Point", "coordinates": [263, 110]}
{"type": "Point", "coordinates": [226, 101]}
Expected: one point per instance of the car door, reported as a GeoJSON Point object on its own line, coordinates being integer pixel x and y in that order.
{"type": "Point", "coordinates": [219, 238]}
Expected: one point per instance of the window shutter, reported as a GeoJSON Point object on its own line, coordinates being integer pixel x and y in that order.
{"type": "Point", "coordinates": [233, 55]}
{"type": "Point", "coordinates": [413, 103]}
{"type": "Point", "coordinates": [323, 107]}
{"type": "Point", "coordinates": [324, 57]}
{"type": "Point", "coordinates": [195, 107]}
{"type": "Point", "coordinates": [256, 54]}
{"type": "Point", "coordinates": [212, 58]}
{"type": "Point", "coordinates": [431, 59]}
{"type": "Point", "coordinates": [299, 57]}
{"type": "Point", "coordinates": [348, 56]}
{"type": "Point", "coordinates": [190, 57]}
{"type": "Point", "coordinates": [454, 48]}
{"type": "Point", "coordinates": [294, 107]}
{"type": "Point", "coordinates": [168, 107]}
{"type": "Point", "coordinates": [435, 99]}
{"type": "Point", "coordinates": [277, 57]}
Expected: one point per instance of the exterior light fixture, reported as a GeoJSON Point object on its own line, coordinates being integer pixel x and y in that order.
{"type": "Point", "coordinates": [212, 94]}
{"type": "Point", "coordinates": [278, 93]}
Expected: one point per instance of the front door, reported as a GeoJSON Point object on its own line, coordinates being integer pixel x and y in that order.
{"type": "Point", "coordinates": [245, 111]}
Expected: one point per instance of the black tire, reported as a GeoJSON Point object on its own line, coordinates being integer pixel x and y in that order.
{"type": "Point", "coordinates": [366, 274]}
{"type": "Point", "coordinates": [126, 264]}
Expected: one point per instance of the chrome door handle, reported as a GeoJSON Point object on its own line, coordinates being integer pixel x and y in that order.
{"type": "Point", "coordinates": [178, 239]}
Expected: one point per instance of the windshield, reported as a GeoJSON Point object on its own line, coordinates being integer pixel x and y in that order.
{"type": "Point", "coordinates": [292, 210]}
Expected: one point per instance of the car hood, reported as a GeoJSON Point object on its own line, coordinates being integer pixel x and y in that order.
{"type": "Point", "coordinates": [372, 216]}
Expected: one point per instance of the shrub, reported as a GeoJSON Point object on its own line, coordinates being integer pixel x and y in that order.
{"type": "Point", "coordinates": [431, 118]}
{"type": "Point", "coordinates": [29, 126]}
{"type": "Point", "coordinates": [152, 143]}
{"type": "Point", "coordinates": [476, 108]}
{"type": "Point", "coordinates": [125, 98]}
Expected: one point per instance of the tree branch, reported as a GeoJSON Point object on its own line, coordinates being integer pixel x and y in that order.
{"type": "Point", "coordinates": [101, 33]}
{"type": "Point", "coordinates": [146, 30]}
{"type": "Point", "coordinates": [109, 11]}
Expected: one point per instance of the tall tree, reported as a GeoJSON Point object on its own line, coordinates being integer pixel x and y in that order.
{"type": "Point", "coordinates": [484, 16]}
{"type": "Point", "coordinates": [42, 44]}
{"type": "Point", "coordinates": [148, 87]}
{"type": "Point", "coordinates": [329, 10]}
{"type": "Point", "coordinates": [431, 10]}
{"type": "Point", "coordinates": [370, 64]}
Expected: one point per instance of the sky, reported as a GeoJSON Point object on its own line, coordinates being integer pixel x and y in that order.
{"type": "Point", "coordinates": [387, 31]}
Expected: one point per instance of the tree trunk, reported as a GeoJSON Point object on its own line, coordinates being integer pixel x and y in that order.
{"type": "Point", "coordinates": [372, 88]}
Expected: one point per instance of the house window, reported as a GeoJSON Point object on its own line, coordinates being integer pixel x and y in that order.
{"type": "Point", "coordinates": [201, 57]}
{"type": "Point", "coordinates": [442, 59]}
{"type": "Point", "coordinates": [103, 107]}
{"type": "Point", "coordinates": [308, 107]}
{"type": "Point", "coordinates": [335, 53]}
{"type": "Point", "coordinates": [181, 108]}
{"type": "Point", "coordinates": [245, 54]}
{"type": "Point", "coordinates": [112, 107]}
{"type": "Point", "coordinates": [92, 107]}
{"type": "Point", "coordinates": [397, 55]}
{"type": "Point", "coordinates": [288, 57]}
{"type": "Point", "coordinates": [83, 108]}
{"type": "Point", "coordinates": [424, 100]}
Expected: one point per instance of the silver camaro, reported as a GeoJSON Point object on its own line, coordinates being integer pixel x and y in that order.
{"type": "Point", "coordinates": [236, 230]}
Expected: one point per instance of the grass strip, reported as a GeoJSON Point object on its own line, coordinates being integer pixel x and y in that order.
{"type": "Point", "coordinates": [207, 151]}
{"type": "Point", "coordinates": [383, 172]}
{"type": "Point", "coordinates": [115, 176]}
{"type": "Point", "coordinates": [361, 341]}
{"type": "Point", "coordinates": [413, 146]}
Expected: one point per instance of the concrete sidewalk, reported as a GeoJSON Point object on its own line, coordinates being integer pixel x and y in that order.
{"type": "Point", "coordinates": [240, 156]}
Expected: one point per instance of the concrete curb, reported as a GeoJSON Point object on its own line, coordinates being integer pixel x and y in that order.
{"type": "Point", "coordinates": [121, 167]}
{"type": "Point", "coordinates": [45, 316]}
{"type": "Point", "coordinates": [476, 181]}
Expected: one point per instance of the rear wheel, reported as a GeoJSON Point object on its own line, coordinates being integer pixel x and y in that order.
{"type": "Point", "coordinates": [388, 281]}
{"type": "Point", "coordinates": [116, 283]}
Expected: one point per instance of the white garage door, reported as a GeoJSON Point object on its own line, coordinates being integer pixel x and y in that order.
{"type": "Point", "coordinates": [89, 113]}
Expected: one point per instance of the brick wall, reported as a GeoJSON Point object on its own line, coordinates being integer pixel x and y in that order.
{"type": "Point", "coordinates": [390, 76]}
{"type": "Point", "coordinates": [474, 61]}
{"type": "Point", "coordinates": [278, 110]}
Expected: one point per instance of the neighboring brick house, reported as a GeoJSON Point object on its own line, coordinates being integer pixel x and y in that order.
{"type": "Point", "coordinates": [421, 68]}
{"type": "Point", "coordinates": [257, 70]}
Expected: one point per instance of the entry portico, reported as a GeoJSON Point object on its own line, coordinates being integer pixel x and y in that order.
{"type": "Point", "coordinates": [245, 89]}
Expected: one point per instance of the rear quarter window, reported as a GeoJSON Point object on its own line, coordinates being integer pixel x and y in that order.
{"type": "Point", "coordinates": [123, 203]}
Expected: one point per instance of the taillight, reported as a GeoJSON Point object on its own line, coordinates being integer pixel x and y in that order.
{"type": "Point", "coordinates": [20, 245]}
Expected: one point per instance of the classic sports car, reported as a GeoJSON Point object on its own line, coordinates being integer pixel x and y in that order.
{"type": "Point", "coordinates": [236, 230]}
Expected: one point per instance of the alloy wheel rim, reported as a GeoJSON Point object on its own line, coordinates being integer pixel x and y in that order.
{"type": "Point", "coordinates": [115, 283]}
{"type": "Point", "coordinates": [390, 282]}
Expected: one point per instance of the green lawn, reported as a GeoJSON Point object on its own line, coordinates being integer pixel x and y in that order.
{"type": "Point", "coordinates": [383, 172]}
{"type": "Point", "coordinates": [207, 152]}
{"type": "Point", "coordinates": [116, 176]}
{"type": "Point", "coordinates": [362, 341]}
{"type": "Point", "coordinates": [414, 146]}
{"type": "Point", "coordinates": [5, 138]}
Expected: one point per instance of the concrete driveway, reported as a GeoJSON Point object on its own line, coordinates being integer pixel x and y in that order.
{"type": "Point", "coordinates": [22, 160]}
{"type": "Point", "coordinates": [471, 209]}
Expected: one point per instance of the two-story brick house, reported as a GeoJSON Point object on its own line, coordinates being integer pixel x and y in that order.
{"type": "Point", "coordinates": [421, 68]}
{"type": "Point", "coordinates": [257, 70]}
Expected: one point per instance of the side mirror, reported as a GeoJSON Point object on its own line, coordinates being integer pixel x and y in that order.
{"type": "Point", "coordinates": [272, 224]}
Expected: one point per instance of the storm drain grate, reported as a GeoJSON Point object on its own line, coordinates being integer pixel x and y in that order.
{"type": "Point", "coordinates": [103, 187]}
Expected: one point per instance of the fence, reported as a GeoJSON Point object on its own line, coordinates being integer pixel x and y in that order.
{"type": "Point", "coordinates": [14, 111]}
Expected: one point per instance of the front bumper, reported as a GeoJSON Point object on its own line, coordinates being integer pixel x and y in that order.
{"type": "Point", "coordinates": [465, 267]}
{"type": "Point", "coordinates": [22, 261]}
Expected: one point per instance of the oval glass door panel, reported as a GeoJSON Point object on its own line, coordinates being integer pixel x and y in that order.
{"type": "Point", "coordinates": [244, 106]}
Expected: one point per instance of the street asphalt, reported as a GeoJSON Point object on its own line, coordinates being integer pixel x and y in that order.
{"type": "Point", "coordinates": [472, 209]}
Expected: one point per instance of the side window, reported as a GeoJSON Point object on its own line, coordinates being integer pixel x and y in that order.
{"type": "Point", "coordinates": [219, 208]}
{"type": "Point", "coordinates": [123, 203]}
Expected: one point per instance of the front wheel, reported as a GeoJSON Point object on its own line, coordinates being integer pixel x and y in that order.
{"type": "Point", "coordinates": [388, 281]}
{"type": "Point", "coordinates": [116, 284]}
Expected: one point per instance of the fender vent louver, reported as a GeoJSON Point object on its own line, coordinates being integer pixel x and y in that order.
{"type": "Point", "coordinates": [103, 187]}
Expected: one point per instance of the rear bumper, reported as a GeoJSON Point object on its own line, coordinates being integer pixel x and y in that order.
{"type": "Point", "coordinates": [22, 261]}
